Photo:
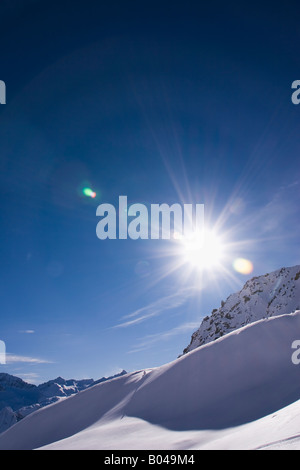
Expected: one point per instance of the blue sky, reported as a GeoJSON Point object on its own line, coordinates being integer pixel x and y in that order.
{"type": "Point", "coordinates": [182, 104]}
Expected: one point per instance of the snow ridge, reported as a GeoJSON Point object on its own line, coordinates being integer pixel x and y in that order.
{"type": "Point", "coordinates": [266, 296]}
{"type": "Point", "coordinates": [18, 399]}
{"type": "Point", "coordinates": [240, 391]}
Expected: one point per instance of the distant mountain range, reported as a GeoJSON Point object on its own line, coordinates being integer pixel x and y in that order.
{"type": "Point", "coordinates": [19, 399]}
{"type": "Point", "coordinates": [235, 387]}
{"type": "Point", "coordinates": [239, 392]}
{"type": "Point", "coordinates": [262, 297]}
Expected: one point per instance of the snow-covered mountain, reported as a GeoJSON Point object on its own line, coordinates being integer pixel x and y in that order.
{"type": "Point", "coordinates": [19, 399]}
{"type": "Point", "coordinates": [241, 391]}
{"type": "Point", "coordinates": [261, 297]}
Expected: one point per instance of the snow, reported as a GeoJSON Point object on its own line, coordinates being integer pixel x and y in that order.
{"type": "Point", "coordinates": [241, 391]}
{"type": "Point", "coordinates": [276, 431]}
{"type": "Point", "coordinates": [272, 294]}
{"type": "Point", "coordinates": [7, 418]}
{"type": "Point", "coordinates": [18, 398]}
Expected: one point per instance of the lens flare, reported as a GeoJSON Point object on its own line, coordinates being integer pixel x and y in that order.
{"type": "Point", "coordinates": [89, 193]}
{"type": "Point", "coordinates": [243, 266]}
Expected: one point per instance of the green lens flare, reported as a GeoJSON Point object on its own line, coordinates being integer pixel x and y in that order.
{"type": "Point", "coordinates": [89, 192]}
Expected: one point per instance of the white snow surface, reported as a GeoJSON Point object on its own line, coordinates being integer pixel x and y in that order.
{"type": "Point", "coordinates": [270, 295]}
{"type": "Point", "coordinates": [18, 398]}
{"type": "Point", "coordinates": [241, 391]}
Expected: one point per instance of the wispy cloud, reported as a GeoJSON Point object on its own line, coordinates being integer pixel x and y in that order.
{"type": "Point", "coordinates": [156, 308]}
{"type": "Point", "coordinates": [31, 377]}
{"type": "Point", "coordinates": [148, 341]}
{"type": "Point", "coordinates": [272, 222]}
{"type": "Point", "coordinates": [14, 358]}
{"type": "Point", "coordinates": [27, 332]}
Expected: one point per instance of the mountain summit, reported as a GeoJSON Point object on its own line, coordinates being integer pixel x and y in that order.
{"type": "Point", "coordinates": [266, 296]}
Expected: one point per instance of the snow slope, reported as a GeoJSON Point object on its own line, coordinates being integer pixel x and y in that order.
{"type": "Point", "coordinates": [18, 398]}
{"type": "Point", "coordinates": [240, 391]}
{"type": "Point", "coordinates": [261, 297]}
{"type": "Point", "coordinates": [277, 431]}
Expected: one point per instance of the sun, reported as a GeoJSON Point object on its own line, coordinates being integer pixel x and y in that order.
{"type": "Point", "coordinates": [203, 251]}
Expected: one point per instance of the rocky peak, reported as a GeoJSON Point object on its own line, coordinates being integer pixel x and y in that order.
{"type": "Point", "coordinates": [270, 295]}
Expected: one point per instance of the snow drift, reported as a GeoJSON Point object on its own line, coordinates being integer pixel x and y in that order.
{"type": "Point", "coordinates": [237, 379]}
{"type": "Point", "coordinates": [18, 398]}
